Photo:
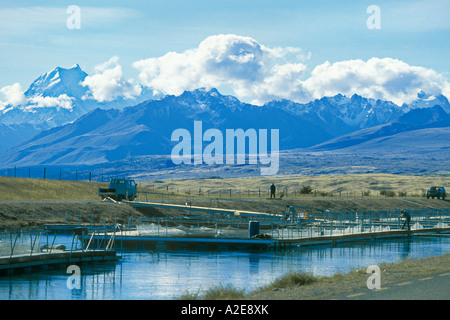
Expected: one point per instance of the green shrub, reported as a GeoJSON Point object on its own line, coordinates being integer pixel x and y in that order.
{"type": "Point", "coordinates": [306, 190]}
{"type": "Point", "coordinates": [387, 193]}
{"type": "Point", "coordinates": [293, 279]}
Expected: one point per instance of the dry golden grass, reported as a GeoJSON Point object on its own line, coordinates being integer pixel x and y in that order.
{"type": "Point", "coordinates": [39, 189]}
{"type": "Point", "coordinates": [343, 185]}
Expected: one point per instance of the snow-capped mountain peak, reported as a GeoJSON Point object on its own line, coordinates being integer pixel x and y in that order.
{"type": "Point", "coordinates": [59, 81]}
{"type": "Point", "coordinates": [425, 100]}
{"type": "Point", "coordinates": [58, 97]}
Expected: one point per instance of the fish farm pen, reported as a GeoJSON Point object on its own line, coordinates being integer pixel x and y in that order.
{"type": "Point", "coordinates": [24, 249]}
{"type": "Point", "coordinates": [239, 230]}
{"type": "Point", "coordinates": [244, 230]}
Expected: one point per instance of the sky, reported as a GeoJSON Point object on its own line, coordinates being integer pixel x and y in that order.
{"type": "Point", "coordinates": [255, 50]}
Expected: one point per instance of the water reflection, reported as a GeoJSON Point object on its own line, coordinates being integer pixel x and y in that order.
{"type": "Point", "coordinates": [169, 274]}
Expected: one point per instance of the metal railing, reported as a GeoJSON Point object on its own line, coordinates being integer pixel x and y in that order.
{"type": "Point", "coordinates": [32, 241]}
{"type": "Point", "coordinates": [297, 226]}
{"type": "Point", "coordinates": [21, 242]}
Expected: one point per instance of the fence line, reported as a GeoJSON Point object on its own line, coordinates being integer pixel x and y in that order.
{"type": "Point", "coordinates": [167, 194]}
{"type": "Point", "coordinates": [54, 173]}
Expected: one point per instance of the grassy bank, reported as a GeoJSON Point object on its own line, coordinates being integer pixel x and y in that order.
{"type": "Point", "coordinates": [301, 286]}
{"type": "Point", "coordinates": [39, 189]}
{"type": "Point", "coordinates": [36, 200]}
{"type": "Point", "coordinates": [368, 186]}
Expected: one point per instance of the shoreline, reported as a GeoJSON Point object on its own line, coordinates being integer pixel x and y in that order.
{"type": "Point", "coordinates": [303, 286]}
{"type": "Point", "coordinates": [326, 287]}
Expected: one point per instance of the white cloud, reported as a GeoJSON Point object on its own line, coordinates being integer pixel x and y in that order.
{"type": "Point", "coordinates": [108, 82]}
{"type": "Point", "coordinates": [249, 68]}
{"type": "Point", "coordinates": [388, 79]}
{"type": "Point", "coordinates": [13, 94]}
{"type": "Point", "coordinates": [15, 97]}
{"type": "Point", "coordinates": [62, 101]}
{"type": "Point", "coordinates": [260, 74]}
{"type": "Point", "coordinates": [102, 67]}
{"type": "Point", "coordinates": [283, 82]}
{"type": "Point", "coordinates": [254, 73]}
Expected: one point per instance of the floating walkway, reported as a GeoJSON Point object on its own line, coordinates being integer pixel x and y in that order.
{"type": "Point", "coordinates": [333, 240]}
{"type": "Point", "coordinates": [134, 240]}
{"type": "Point", "coordinates": [74, 228]}
{"type": "Point", "coordinates": [140, 242]}
{"type": "Point", "coordinates": [44, 259]}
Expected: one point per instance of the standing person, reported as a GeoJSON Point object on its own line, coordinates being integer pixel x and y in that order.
{"type": "Point", "coordinates": [407, 217]}
{"type": "Point", "coordinates": [272, 191]}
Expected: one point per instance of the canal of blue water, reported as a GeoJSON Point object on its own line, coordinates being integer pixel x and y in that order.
{"type": "Point", "coordinates": [166, 275]}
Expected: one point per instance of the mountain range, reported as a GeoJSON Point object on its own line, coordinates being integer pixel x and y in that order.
{"type": "Point", "coordinates": [423, 120]}
{"type": "Point", "coordinates": [84, 132]}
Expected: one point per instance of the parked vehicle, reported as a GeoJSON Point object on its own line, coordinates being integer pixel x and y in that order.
{"type": "Point", "coordinates": [119, 189]}
{"type": "Point", "coordinates": [438, 192]}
